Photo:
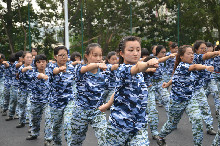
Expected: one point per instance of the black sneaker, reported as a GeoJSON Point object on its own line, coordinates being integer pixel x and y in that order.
{"type": "Point", "coordinates": [20, 125]}
{"type": "Point", "coordinates": [211, 132]}
{"type": "Point", "coordinates": [31, 137]}
{"type": "Point", "coordinates": [161, 142]}
{"type": "Point", "coordinates": [9, 119]}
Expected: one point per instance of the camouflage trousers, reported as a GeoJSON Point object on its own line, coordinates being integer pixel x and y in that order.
{"type": "Point", "coordinates": [216, 141]}
{"type": "Point", "coordinates": [162, 93]}
{"type": "Point", "coordinates": [28, 108]}
{"type": "Point", "coordinates": [175, 113]}
{"type": "Point", "coordinates": [13, 101]}
{"type": "Point", "coordinates": [57, 125]}
{"type": "Point", "coordinates": [37, 110]}
{"type": "Point", "coordinates": [6, 98]}
{"type": "Point", "coordinates": [22, 105]}
{"type": "Point", "coordinates": [116, 137]}
{"type": "Point", "coordinates": [1, 92]}
{"type": "Point", "coordinates": [212, 88]}
{"type": "Point", "coordinates": [152, 112]}
{"type": "Point", "coordinates": [204, 107]}
{"type": "Point", "coordinates": [76, 121]}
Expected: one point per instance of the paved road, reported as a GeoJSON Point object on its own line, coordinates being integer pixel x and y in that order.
{"type": "Point", "coordinates": [11, 136]}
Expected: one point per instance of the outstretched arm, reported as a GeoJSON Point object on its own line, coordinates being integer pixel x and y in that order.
{"type": "Point", "coordinates": [201, 67]}
{"type": "Point", "coordinates": [163, 59]}
{"type": "Point", "coordinates": [142, 66]}
{"type": "Point", "coordinates": [92, 66]}
{"type": "Point", "coordinates": [209, 55]}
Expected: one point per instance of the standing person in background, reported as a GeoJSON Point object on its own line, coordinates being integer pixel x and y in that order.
{"type": "Point", "coordinates": [144, 53]}
{"type": "Point", "coordinates": [210, 84]}
{"type": "Point", "coordinates": [7, 83]}
{"type": "Point", "coordinates": [153, 49]}
{"type": "Point", "coordinates": [2, 70]}
{"type": "Point", "coordinates": [111, 59]}
{"type": "Point", "coordinates": [24, 74]}
{"type": "Point", "coordinates": [34, 52]}
{"type": "Point", "coordinates": [14, 86]}
{"type": "Point", "coordinates": [170, 62]}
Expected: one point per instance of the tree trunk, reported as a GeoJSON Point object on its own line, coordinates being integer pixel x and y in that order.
{"type": "Point", "coordinates": [25, 32]}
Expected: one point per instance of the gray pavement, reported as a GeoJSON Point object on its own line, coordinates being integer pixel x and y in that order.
{"type": "Point", "coordinates": [11, 136]}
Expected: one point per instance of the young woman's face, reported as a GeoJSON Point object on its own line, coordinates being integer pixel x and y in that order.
{"type": "Point", "coordinates": [95, 55]}
{"type": "Point", "coordinates": [162, 53]}
{"type": "Point", "coordinates": [28, 59]}
{"type": "Point", "coordinates": [113, 59]}
{"type": "Point", "coordinates": [41, 64]}
{"type": "Point", "coordinates": [132, 52]}
{"type": "Point", "coordinates": [33, 52]}
{"type": "Point", "coordinates": [188, 56]}
{"type": "Point", "coordinates": [174, 50]}
{"type": "Point", "coordinates": [202, 49]}
{"type": "Point", "coordinates": [61, 57]}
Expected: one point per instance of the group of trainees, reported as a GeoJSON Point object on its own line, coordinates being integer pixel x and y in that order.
{"type": "Point", "coordinates": [73, 93]}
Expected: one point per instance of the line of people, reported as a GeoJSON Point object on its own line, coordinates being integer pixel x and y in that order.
{"type": "Point", "coordinates": [73, 93]}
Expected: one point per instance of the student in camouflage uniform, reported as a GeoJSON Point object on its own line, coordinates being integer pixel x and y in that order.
{"type": "Point", "coordinates": [14, 86]}
{"type": "Point", "coordinates": [8, 82]}
{"type": "Point", "coordinates": [63, 74]}
{"type": "Point", "coordinates": [157, 78]}
{"type": "Point", "coordinates": [182, 98]}
{"type": "Point", "coordinates": [128, 119]}
{"type": "Point", "coordinates": [2, 70]}
{"type": "Point", "coordinates": [24, 74]}
{"type": "Point", "coordinates": [200, 56]}
{"type": "Point", "coordinates": [91, 81]}
{"type": "Point", "coordinates": [170, 62]}
{"type": "Point", "coordinates": [39, 100]}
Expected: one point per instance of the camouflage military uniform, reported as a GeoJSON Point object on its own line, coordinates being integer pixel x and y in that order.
{"type": "Point", "coordinates": [157, 81]}
{"type": "Point", "coordinates": [23, 93]}
{"type": "Point", "coordinates": [61, 94]}
{"type": "Point", "coordinates": [2, 70]}
{"type": "Point", "coordinates": [7, 87]}
{"type": "Point", "coordinates": [182, 99]}
{"type": "Point", "coordinates": [39, 103]}
{"type": "Point", "coordinates": [200, 92]}
{"type": "Point", "coordinates": [84, 111]}
{"type": "Point", "coordinates": [128, 118]}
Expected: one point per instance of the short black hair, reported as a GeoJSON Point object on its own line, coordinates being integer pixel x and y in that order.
{"type": "Point", "coordinates": [174, 45]}
{"type": "Point", "coordinates": [144, 52]}
{"type": "Point", "coordinates": [75, 54]}
{"type": "Point", "coordinates": [57, 49]}
{"type": "Point", "coordinates": [12, 58]}
{"type": "Point", "coordinates": [34, 49]}
{"type": "Point", "coordinates": [40, 57]}
{"type": "Point", "coordinates": [209, 44]}
{"type": "Point", "coordinates": [18, 54]}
